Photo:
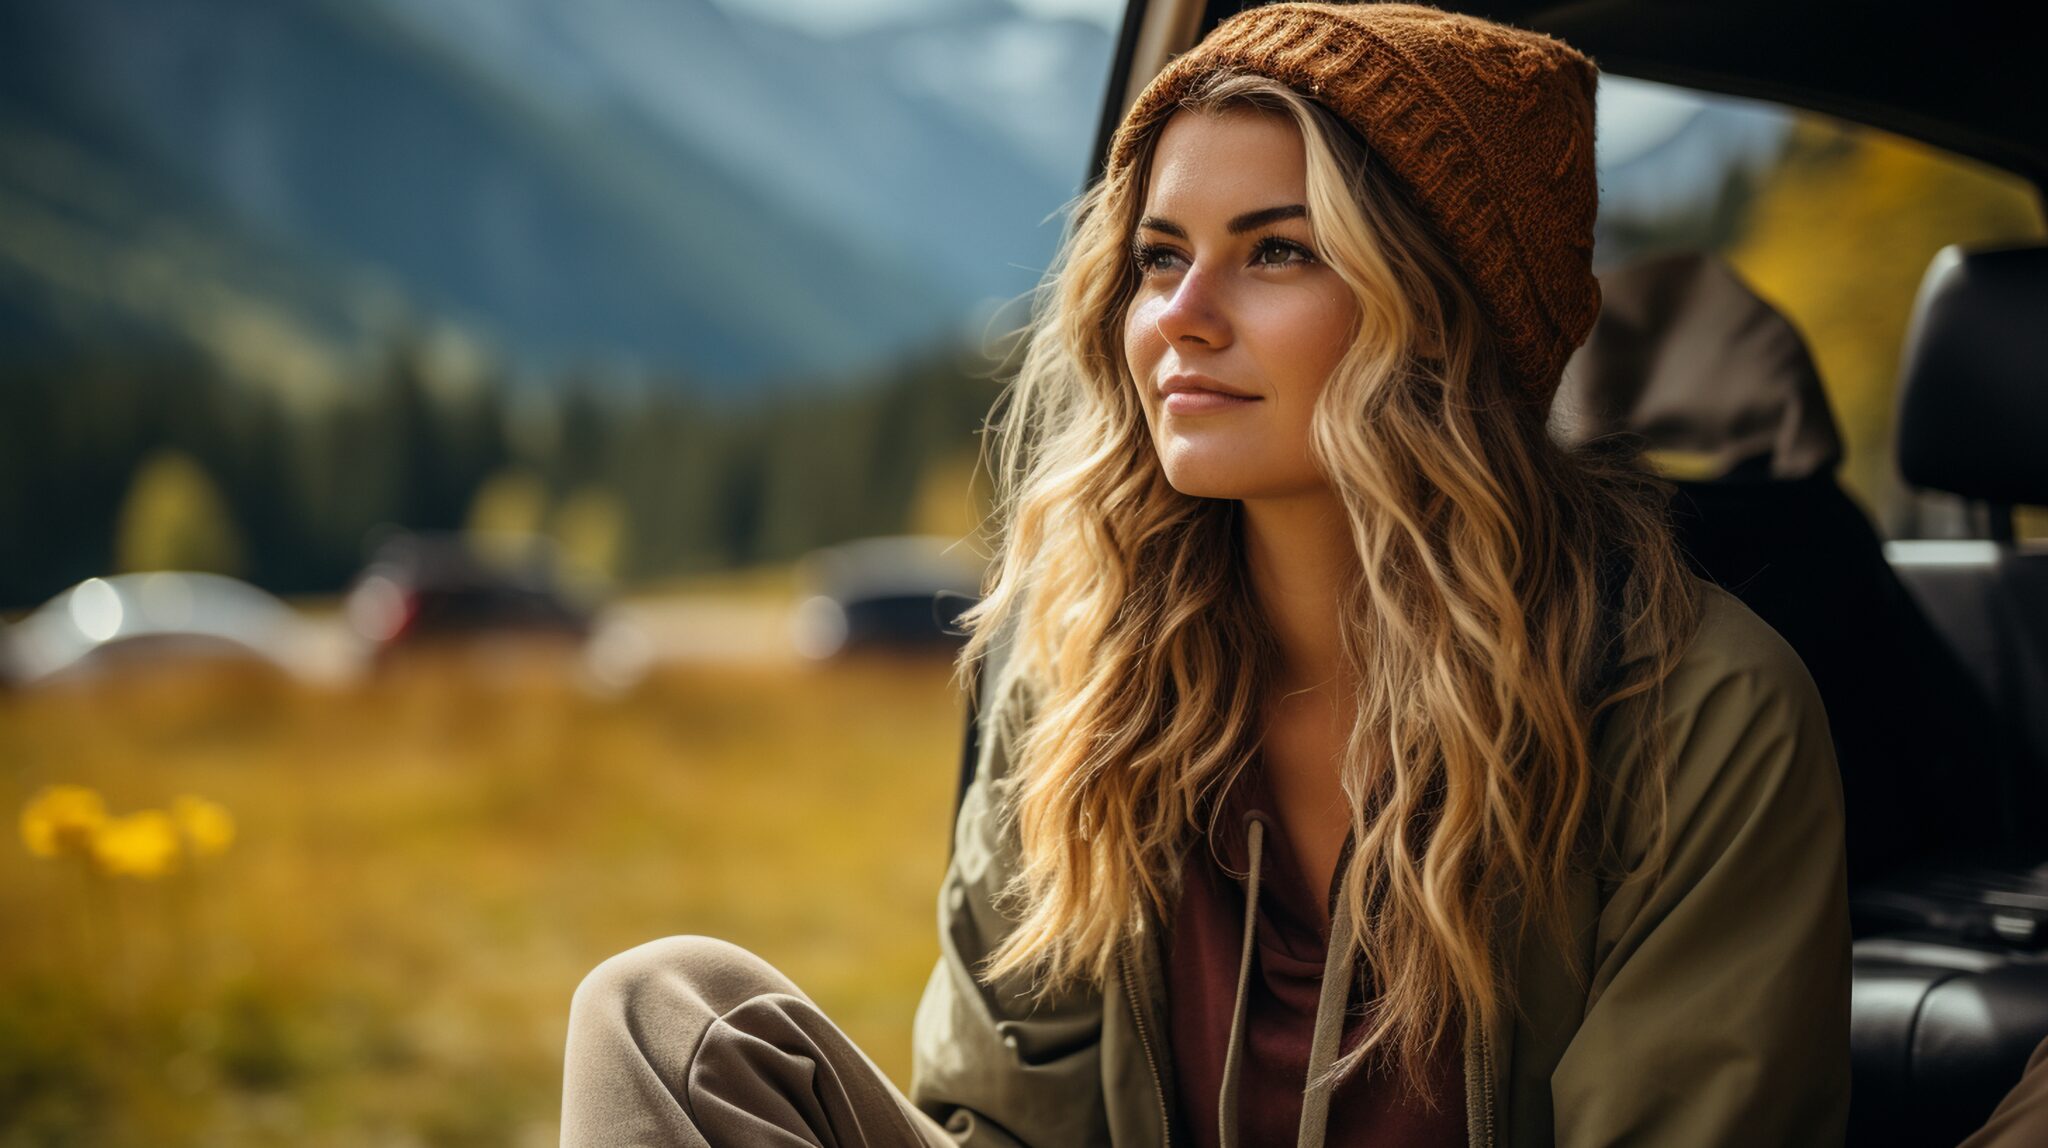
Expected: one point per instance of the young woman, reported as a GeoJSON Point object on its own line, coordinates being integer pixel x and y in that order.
{"type": "Point", "coordinates": [1359, 766]}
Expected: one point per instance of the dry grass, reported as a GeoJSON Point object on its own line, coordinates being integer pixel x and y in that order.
{"type": "Point", "coordinates": [426, 867]}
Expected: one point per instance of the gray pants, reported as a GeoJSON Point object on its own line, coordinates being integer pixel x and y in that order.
{"type": "Point", "coordinates": [695, 1041]}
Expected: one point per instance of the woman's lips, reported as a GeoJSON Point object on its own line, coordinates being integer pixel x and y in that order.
{"type": "Point", "coordinates": [1203, 402]}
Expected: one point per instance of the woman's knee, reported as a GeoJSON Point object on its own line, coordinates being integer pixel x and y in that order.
{"type": "Point", "coordinates": [688, 971]}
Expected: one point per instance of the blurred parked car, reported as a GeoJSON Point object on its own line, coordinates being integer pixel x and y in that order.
{"type": "Point", "coordinates": [432, 589]}
{"type": "Point", "coordinates": [896, 592]}
{"type": "Point", "coordinates": [163, 616]}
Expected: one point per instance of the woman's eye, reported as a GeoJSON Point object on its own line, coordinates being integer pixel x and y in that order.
{"type": "Point", "coordinates": [1144, 255]}
{"type": "Point", "coordinates": [1283, 247]}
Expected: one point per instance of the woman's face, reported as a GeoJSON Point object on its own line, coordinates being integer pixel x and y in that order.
{"type": "Point", "coordinates": [1233, 297]}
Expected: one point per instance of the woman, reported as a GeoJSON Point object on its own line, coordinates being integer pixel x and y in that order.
{"type": "Point", "coordinates": [1358, 765]}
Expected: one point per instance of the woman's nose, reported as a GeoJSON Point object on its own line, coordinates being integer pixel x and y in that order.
{"type": "Point", "coordinates": [1195, 311]}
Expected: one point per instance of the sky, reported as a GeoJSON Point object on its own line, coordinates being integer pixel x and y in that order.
{"type": "Point", "coordinates": [828, 17]}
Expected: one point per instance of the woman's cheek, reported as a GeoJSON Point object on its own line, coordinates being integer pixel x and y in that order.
{"type": "Point", "coordinates": [1141, 330]}
{"type": "Point", "coordinates": [1141, 356]}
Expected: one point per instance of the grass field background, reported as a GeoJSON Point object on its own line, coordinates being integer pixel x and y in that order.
{"type": "Point", "coordinates": [425, 866]}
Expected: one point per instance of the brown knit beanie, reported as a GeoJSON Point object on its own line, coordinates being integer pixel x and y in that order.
{"type": "Point", "coordinates": [1489, 127]}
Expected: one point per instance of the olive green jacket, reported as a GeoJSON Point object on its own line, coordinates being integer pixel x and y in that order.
{"type": "Point", "coordinates": [1709, 1006]}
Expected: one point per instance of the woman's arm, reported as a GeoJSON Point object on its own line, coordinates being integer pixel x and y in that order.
{"type": "Point", "coordinates": [1718, 1010]}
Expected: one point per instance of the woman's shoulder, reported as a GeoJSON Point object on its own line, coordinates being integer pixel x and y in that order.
{"type": "Point", "coordinates": [1742, 765]}
{"type": "Point", "coordinates": [1738, 706]}
{"type": "Point", "coordinates": [1734, 649]}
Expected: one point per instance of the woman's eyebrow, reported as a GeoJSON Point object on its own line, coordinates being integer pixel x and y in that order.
{"type": "Point", "coordinates": [1250, 220]}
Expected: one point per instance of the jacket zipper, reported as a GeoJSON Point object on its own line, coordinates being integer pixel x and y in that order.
{"type": "Point", "coordinates": [1145, 1042]}
{"type": "Point", "coordinates": [1486, 1087]}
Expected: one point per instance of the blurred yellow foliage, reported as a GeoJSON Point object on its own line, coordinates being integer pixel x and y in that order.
{"type": "Point", "coordinates": [72, 820]}
{"type": "Point", "coordinates": [61, 820]}
{"type": "Point", "coordinates": [952, 498]}
{"type": "Point", "coordinates": [511, 502]}
{"type": "Point", "coordinates": [207, 826]}
{"type": "Point", "coordinates": [590, 528]}
{"type": "Point", "coordinates": [1839, 238]}
{"type": "Point", "coordinates": [141, 844]}
{"type": "Point", "coordinates": [176, 518]}
{"type": "Point", "coordinates": [1685, 465]}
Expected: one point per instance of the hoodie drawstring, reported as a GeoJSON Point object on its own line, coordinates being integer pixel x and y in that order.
{"type": "Point", "coordinates": [1330, 1006]}
{"type": "Point", "coordinates": [1226, 1102]}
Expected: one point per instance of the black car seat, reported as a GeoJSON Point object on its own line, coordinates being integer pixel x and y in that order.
{"type": "Point", "coordinates": [1972, 414]}
{"type": "Point", "coordinates": [1973, 422]}
{"type": "Point", "coordinates": [1951, 993]}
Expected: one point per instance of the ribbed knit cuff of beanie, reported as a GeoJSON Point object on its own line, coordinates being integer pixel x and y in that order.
{"type": "Point", "coordinates": [1488, 126]}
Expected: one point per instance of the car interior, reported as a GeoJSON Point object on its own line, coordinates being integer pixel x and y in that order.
{"type": "Point", "coordinates": [1911, 644]}
{"type": "Point", "coordinates": [1931, 655]}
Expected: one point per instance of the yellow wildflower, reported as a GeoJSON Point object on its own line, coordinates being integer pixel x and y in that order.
{"type": "Point", "coordinates": [62, 819]}
{"type": "Point", "coordinates": [142, 844]}
{"type": "Point", "coordinates": [207, 825]}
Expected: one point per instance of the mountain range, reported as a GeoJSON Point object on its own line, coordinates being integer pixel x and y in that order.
{"type": "Point", "coordinates": [660, 186]}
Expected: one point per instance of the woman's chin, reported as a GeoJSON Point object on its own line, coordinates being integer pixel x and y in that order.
{"type": "Point", "coordinates": [1210, 482]}
{"type": "Point", "coordinates": [1234, 480]}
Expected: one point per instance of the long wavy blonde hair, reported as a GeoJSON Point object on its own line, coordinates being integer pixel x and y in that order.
{"type": "Point", "coordinates": [1474, 629]}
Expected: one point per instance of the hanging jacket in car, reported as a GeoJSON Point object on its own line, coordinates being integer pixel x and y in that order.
{"type": "Point", "coordinates": [1708, 1005]}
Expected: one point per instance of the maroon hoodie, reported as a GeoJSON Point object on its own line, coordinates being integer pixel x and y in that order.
{"type": "Point", "coordinates": [1202, 962]}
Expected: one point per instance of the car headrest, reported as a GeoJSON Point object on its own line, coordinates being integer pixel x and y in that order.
{"type": "Point", "coordinates": [1973, 391]}
{"type": "Point", "coordinates": [1718, 384]}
